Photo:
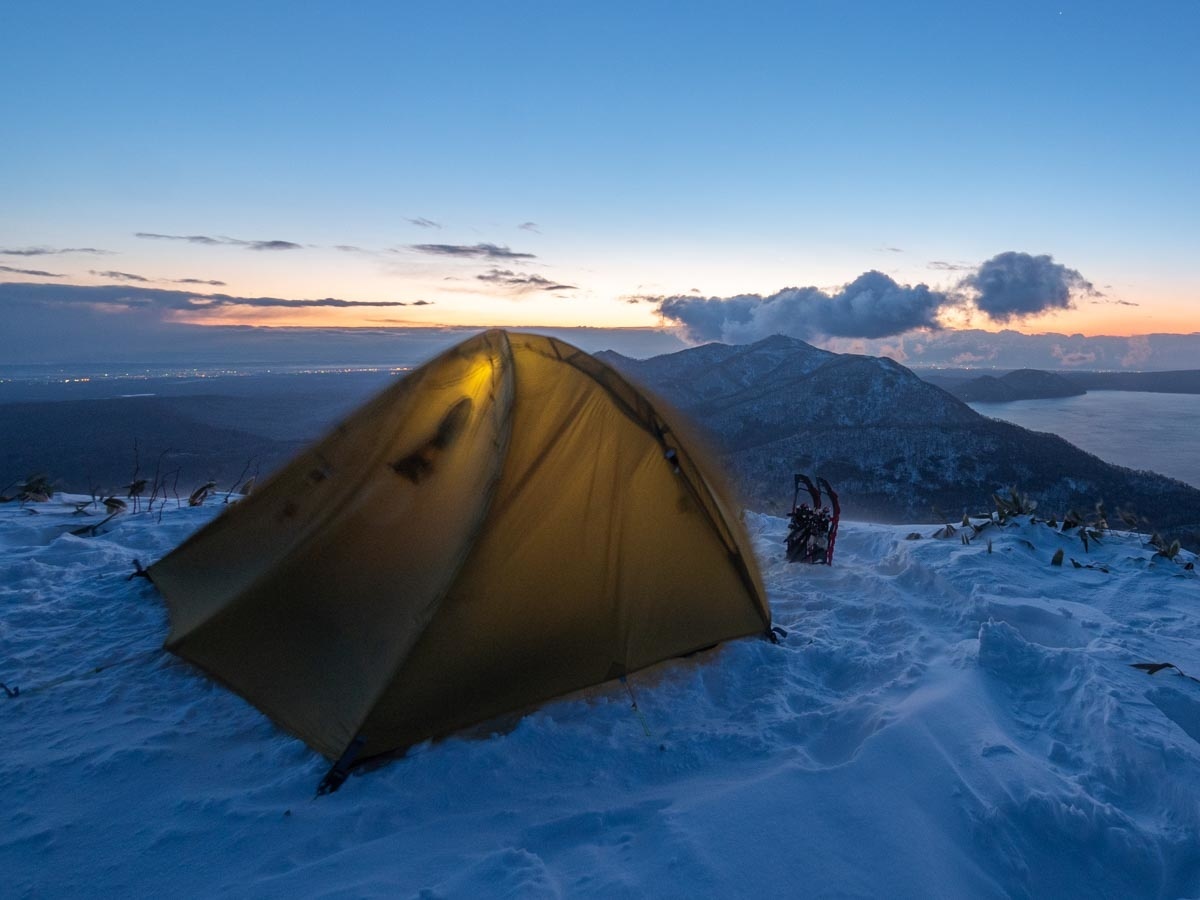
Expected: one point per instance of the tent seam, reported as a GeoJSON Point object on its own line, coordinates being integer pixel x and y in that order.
{"type": "Point", "coordinates": [508, 376]}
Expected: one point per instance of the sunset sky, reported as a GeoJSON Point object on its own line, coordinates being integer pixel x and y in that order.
{"type": "Point", "coordinates": [564, 164]}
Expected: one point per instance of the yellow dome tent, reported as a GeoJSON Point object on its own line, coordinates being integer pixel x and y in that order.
{"type": "Point", "coordinates": [510, 522]}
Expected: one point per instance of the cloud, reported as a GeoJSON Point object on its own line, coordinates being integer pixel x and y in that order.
{"type": "Point", "coordinates": [361, 251]}
{"type": "Point", "coordinates": [943, 266]}
{"type": "Point", "coordinates": [1139, 352]}
{"type": "Point", "coordinates": [967, 358]}
{"type": "Point", "coordinates": [190, 238]}
{"type": "Point", "coordinates": [117, 298]}
{"type": "Point", "coordinates": [643, 298]}
{"type": "Point", "coordinates": [422, 222]}
{"type": "Point", "coordinates": [1070, 358]}
{"type": "Point", "coordinates": [530, 226]}
{"type": "Point", "coordinates": [521, 282]}
{"type": "Point", "coordinates": [1013, 285]}
{"type": "Point", "coordinates": [126, 321]}
{"type": "Point", "coordinates": [268, 245]}
{"type": "Point", "coordinates": [892, 249]}
{"type": "Point", "coordinates": [119, 276]}
{"type": "Point", "coordinates": [1010, 349]}
{"type": "Point", "coordinates": [51, 251]}
{"type": "Point", "coordinates": [206, 240]}
{"type": "Point", "coordinates": [38, 272]}
{"type": "Point", "coordinates": [129, 276]}
{"type": "Point", "coordinates": [207, 301]}
{"type": "Point", "coordinates": [894, 351]}
{"type": "Point", "coordinates": [471, 251]}
{"type": "Point", "coordinates": [871, 306]}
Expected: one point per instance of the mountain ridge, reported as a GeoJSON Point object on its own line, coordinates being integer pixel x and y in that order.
{"type": "Point", "coordinates": [897, 447]}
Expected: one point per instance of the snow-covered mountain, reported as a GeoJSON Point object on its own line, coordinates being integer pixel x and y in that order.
{"type": "Point", "coordinates": [943, 719]}
{"type": "Point", "coordinates": [894, 445]}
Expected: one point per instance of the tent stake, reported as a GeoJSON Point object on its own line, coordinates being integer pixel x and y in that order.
{"type": "Point", "coordinates": [340, 770]}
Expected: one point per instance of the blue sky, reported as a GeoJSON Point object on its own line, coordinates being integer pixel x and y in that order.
{"type": "Point", "coordinates": [657, 149]}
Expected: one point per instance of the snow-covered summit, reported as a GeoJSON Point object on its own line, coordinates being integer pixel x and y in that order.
{"type": "Point", "coordinates": [941, 721]}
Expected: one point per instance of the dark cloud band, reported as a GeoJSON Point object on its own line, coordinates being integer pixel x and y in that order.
{"type": "Point", "coordinates": [119, 276]}
{"type": "Point", "coordinates": [112, 297]}
{"type": "Point", "coordinates": [190, 238]}
{"type": "Point", "coordinates": [130, 277]}
{"type": "Point", "coordinates": [471, 251]}
{"type": "Point", "coordinates": [50, 251]}
{"type": "Point", "coordinates": [37, 272]}
{"type": "Point", "coordinates": [521, 282]}
{"type": "Point", "coordinates": [209, 241]}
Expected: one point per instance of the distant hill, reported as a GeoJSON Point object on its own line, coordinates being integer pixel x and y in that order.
{"type": "Point", "coordinates": [1186, 381]}
{"type": "Point", "coordinates": [81, 444]}
{"type": "Point", "coordinates": [896, 446]}
{"type": "Point", "coordinates": [205, 428]}
{"type": "Point", "coordinates": [1033, 384]}
{"type": "Point", "coordinates": [1023, 384]}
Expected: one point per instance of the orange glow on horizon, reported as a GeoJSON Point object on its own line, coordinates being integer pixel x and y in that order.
{"type": "Point", "coordinates": [1090, 321]}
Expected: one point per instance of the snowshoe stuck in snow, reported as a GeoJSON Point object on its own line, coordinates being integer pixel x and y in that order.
{"type": "Point", "coordinates": [812, 530]}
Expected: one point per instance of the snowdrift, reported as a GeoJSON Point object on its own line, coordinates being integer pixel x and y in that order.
{"type": "Point", "coordinates": [941, 721]}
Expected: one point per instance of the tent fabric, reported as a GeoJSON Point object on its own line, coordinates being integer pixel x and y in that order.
{"type": "Point", "coordinates": [510, 522]}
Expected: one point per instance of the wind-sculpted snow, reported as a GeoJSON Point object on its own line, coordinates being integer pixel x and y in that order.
{"type": "Point", "coordinates": [940, 721]}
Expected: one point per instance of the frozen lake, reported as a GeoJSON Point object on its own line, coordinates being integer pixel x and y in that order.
{"type": "Point", "coordinates": [1159, 432]}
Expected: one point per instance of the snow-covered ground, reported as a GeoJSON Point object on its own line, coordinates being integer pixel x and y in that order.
{"type": "Point", "coordinates": [941, 721]}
